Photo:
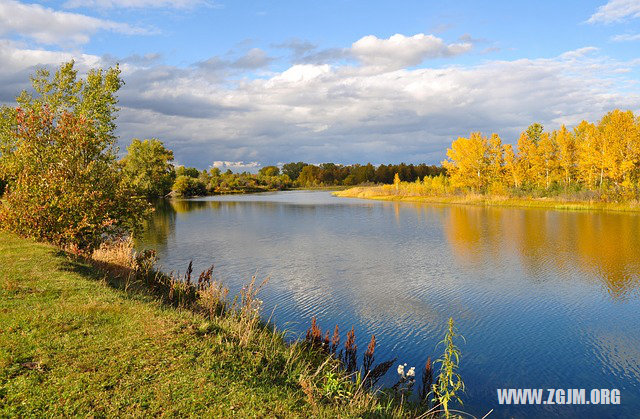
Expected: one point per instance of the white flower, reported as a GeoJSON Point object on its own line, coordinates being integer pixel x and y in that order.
{"type": "Point", "coordinates": [401, 370]}
{"type": "Point", "coordinates": [411, 372]}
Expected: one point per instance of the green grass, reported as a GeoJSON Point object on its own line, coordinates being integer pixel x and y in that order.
{"type": "Point", "coordinates": [387, 194]}
{"type": "Point", "coordinates": [73, 342]}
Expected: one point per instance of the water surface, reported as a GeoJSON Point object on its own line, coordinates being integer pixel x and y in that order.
{"type": "Point", "coordinates": [544, 298]}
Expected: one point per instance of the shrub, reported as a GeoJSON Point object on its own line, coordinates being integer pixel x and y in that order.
{"type": "Point", "coordinates": [186, 186]}
{"type": "Point", "coordinates": [58, 158]}
{"type": "Point", "coordinates": [67, 190]}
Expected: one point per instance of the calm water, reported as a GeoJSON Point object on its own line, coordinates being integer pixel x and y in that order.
{"type": "Point", "coordinates": [545, 299]}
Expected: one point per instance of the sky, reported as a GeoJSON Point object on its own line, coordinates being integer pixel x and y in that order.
{"type": "Point", "coordinates": [245, 84]}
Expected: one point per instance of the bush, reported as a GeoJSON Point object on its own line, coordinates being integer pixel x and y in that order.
{"type": "Point", "coordinates": [186, 186]}
{"type": "Point", "coordinates": [58, 158]}
{"type": "Point", "coordinates": [67, 191]}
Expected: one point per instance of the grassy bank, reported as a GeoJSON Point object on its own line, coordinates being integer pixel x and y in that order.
{"type": "Point", "coordinates": [78, 341]}
{"type": "Point", "coordinates": [389, 193]}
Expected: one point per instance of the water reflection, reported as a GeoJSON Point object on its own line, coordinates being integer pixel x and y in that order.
{"type": "Point", "coordinates": [605, 245]}
{"type": "Point", "coordinates": [159, 226]}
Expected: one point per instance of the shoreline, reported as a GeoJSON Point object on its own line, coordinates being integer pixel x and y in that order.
{"type": "Point", "coordinates": [101, 327]}
{"type": "Point", "coordinates": [483, 201]}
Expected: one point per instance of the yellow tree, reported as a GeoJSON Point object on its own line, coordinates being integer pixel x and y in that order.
{"type": "Point", "coordinates": [589, 154]}
{"type": "Point", "coordinates": [468, 161]}
{"type": "Point", "coordinates": [527, 152]}
{"type": "Point", "coordinates": [545, 163]}
{"type": "Point", "coordinates": [512, 166]}
{"type": "Point", "coordinates": [621, 154]}
{"type": "Point", "coordinates": [495, 170]}
{"type": "Point", "coordinates": [566, 143]}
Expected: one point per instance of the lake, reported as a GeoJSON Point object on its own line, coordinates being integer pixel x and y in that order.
{"type": "Point", "coordinates": [544, 298]}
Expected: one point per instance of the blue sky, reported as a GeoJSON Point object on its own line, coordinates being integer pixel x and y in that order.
{"type": "Point", "coordinates": [346, 81]}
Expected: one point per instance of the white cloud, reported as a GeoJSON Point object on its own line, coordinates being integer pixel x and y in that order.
{"type": "Point", "coordinates": [616, 11]}
{"type": "Point", "coordinates": [400, 51]}
{"type": "Point", "coordinates": [346, 113]}
{"type": "Point", "coordinates": [578, 53]}
{"type": "Point", "coordinates": [300, 73]}
{"type": "Point", "coordinates": [51, 27]}
{"type": "Point", "coordinates": [626, 37]}
{"type": "Point", "coordinates": [236, 165]}
{"type": "Point", "coordinates": [138, 4]}
{"type": "Point", "coordinates": [18, 62]}
{"type": "Point", "coordinates": [350, 114]}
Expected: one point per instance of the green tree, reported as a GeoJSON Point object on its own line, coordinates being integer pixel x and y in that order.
{"type": "Point", "coordinates": [534, 132]}
{"type": "Point", "coordinates": [147, 166]}
{"type": "Point", "coordinates": [58, 157]}
{"type": "Point", "coordinates": [188, 171]}
{"type": "Point", "coordinates": [186, 186]}
{"type": "Point", "coordinates": [293, 170]}
{"type": "Point", "coordinates": [269, 171]}
{"type": "Point", "coordinates": [309, 176]}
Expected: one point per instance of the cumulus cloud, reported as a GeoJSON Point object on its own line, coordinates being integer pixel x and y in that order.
{"type": "Point", "coordinates": [349, 114]}
{"type": "Point", "coordinates": [616, 11]}
{"type": "Point", "coordinates": [237, 166]}
{"type": "Point", "coordinates": [395, 52]}
{"type": "Point", "coordinates": [346, 112]}
{"type": "Point", "coordinates": [18, 62]}
{"type": "Point", "coordinates": [401, 51]}
{"type": "Point", "coordinates": [51, 27]}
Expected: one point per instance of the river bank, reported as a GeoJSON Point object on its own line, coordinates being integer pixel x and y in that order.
{"type": "Point", "coordinates": [388, 193]}
{"type": "Point", "coordinates": [78, 338]}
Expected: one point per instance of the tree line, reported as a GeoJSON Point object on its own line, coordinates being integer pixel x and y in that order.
{"type": "Point", "coordinates": [148, 167]}
{"type": "Point", "coordinates": [600, 160]}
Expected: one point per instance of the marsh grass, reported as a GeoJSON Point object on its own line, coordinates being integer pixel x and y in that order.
{"type": "Point", "coordinates": [562, 200]}
{"type": "Point", "coordinates": [348, 382]}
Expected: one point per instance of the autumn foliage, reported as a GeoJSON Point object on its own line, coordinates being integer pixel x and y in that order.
{"type": "Point", "coordinates": [65, 190]}
{"type": "Point", "coordinates": [602, 158]}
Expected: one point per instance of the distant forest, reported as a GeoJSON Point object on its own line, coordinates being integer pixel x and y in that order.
{"type": "Point", "coordinates": [190, 181]}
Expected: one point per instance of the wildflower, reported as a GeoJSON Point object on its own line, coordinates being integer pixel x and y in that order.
{"type": "Point", "coordinates": [401, 370]}
{"type": "Point", "coordinates": [411, 372]}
